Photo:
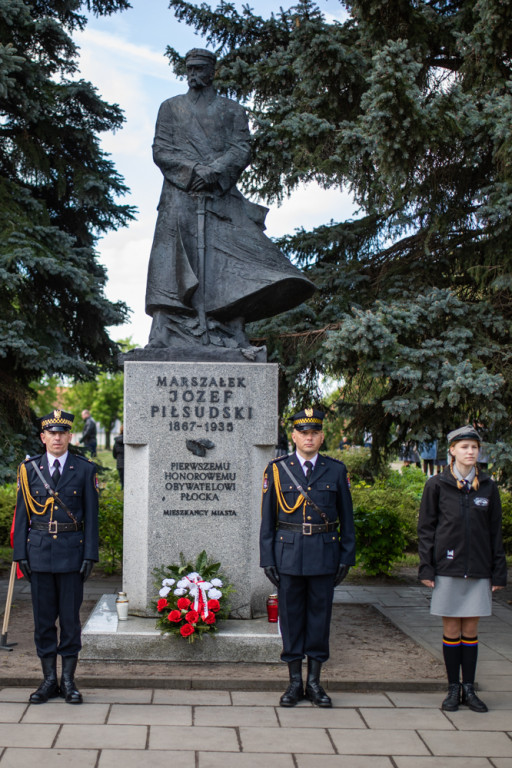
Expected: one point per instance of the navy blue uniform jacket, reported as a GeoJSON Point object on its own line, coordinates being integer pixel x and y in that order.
{"type": "Point", "coordinates": [292, 552]}
{"type": "Point", "coordinates": [63, 552]}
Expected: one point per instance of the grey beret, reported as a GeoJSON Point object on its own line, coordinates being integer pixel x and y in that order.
{"type": "Point", "coordinates": [463, 433]}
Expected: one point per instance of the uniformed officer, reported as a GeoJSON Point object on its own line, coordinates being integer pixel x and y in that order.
{"type": "Point", "coordinates": [56, 544]}
{"type": "Point", "coordinates": [307, 545]}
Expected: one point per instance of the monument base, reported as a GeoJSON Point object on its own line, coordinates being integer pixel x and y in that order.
{"type": "Point", "coordinates": [105, 638]}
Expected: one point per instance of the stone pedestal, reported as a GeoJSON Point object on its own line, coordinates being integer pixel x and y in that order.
{"type": "Point", "coordinates": [197, 439]}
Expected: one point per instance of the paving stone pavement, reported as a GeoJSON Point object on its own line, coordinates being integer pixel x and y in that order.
{"type": "Point", "coordinates": [240, 729]}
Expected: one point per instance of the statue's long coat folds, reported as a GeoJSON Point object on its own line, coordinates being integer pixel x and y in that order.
{"type": "Point", "coordinates": [245, 273]}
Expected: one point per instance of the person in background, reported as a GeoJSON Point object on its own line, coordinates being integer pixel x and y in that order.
{"type": "Point", "coordinates": [428, 455]}
{"type": "Point", "coordinates": [118, 454]}
{"type": "Point", "coordinates": [462, 559]}
{"type": "Point", "coordinates": [307, 545]}
{"type": "Point", "coordinates": [89, 433]}
{"type": "Point", "coordinates": [55, 544]}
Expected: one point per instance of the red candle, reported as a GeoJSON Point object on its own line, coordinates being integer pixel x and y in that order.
{"type": "Point", "coordinates": [272, 608]}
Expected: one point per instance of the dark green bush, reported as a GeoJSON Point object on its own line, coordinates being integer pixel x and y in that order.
{"type": "Point", "coordinates": [506, 505]}
{"type": "Point", "coordinates": [7, 504]}
{"type": "Point", "coordinates": [111, 522]}
{"type": "Point", "coordinates": [399, 492]}
{"type": "Point", "coordinates": [380, 541]}
{"type": "Point", "coordinates": [358, 464]}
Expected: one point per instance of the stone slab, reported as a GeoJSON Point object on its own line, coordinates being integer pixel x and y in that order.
{"type": "Point", "coordinates": [197, 439]}
{"type": "Point", "coordinates": [106, 638]}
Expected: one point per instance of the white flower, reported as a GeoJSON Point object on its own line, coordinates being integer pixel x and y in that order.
{"type": "Point", "coordinates": [180, 592]}
{"type": "Point", "coordinates": [164, 591]}
{"type": "Point", "coordinates": [216, 583]}
{"type": "Point", "coordinates": [214, 594]}
{"type": "Point", "coordinates": [193, 576]}
{"type": "Point", "coordinates": [168, 582]}
{"type": "Point", "coordinates": [182, 584]}
{"type": "Point", "coordinates": [206, 585]}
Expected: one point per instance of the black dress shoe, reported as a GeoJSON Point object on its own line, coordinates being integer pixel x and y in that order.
{"type": "Point", "coordinates": [316, 694]}
{"type": "Point", "coordinates": [48, 689]}
{"type": "Point", "coordinates": [452, 701]}
{"type": "Point", "coordinates": [471, 700]}
{"type": "Point", "coordinates": [293, 694]}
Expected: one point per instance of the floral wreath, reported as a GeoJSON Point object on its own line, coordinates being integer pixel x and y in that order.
{"type": "Point", "coordinates": [192, 597]}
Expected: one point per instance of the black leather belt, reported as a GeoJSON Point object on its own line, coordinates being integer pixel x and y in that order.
{"type": "Point", "coordinates": [307, 529]}
{"type": "Point", "coordinates": [55, 527]}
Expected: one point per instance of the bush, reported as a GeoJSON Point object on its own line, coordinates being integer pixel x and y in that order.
{"type": "Point", "coordinates": [380, 541]}
{"type": "Point", "coordinates": [7, 504]}
{"type": "Point", "coordinates": [506, 504]}
{"type": "Point", "coordinates": [399, 492]}
{"type": "Point", "coordinates": [111, 522]}
{"type": "Point", "coordinates": [358, 463]}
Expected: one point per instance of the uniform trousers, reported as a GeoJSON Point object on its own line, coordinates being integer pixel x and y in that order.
{"type": "Point", "coordinates": [57, 595]}
{"type": "Point", "coordinates": [305, 608]}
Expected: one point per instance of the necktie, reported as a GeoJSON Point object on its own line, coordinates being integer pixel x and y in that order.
{"type": "Point", "coordinates": [309, 468]}
{"type": "Point", "coordinates": [56, 472]}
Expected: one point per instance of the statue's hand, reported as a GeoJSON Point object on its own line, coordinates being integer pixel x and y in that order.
{"type": "Point", "coordinates": [204, 178]}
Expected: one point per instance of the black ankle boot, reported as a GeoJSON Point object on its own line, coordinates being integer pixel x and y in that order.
{"type": "Point", "coordinates": [471, 700]}
{"type": "Point", "coordinates": [49, 688]}
{"type": "Point", "coordinates": [314, 691]}
{"type": "Point", "coordinates": [295, 691]}
{"type": "Point", "coordinates": [452, 701]}
{"type": "Point", "coordinates": [68, 689]}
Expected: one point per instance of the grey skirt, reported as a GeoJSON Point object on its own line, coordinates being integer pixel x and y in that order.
{"type": "Point", "coordinates": [459, 598]}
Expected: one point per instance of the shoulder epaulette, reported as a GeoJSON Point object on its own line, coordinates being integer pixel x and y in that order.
{"type": "Point", "coordinates": [31, 458]}
{"type": "Point", "coordinates": [279, 458]}
{"type": "Point", "coordinates": [331, 458]}
{"type": "Point", "coordinates": [84, 458]}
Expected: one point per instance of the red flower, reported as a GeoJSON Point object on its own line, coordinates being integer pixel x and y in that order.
{"type": "Point", "coordinates": [162, 603]}
{"type": "Point", "coordinates": [174, 616]}
{"type": "Point", "coordinates": [213, 605]}
{"type": "Point", "coordinates": [210, 619]}
{"type": "Point", "coordinates": [186, 630]}
{"type": "Point", "coordinates": [192, 617]}
{"type": "Point", "coordinates": [183, 603]}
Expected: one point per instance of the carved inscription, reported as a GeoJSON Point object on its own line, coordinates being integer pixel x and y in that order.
{"type": "Point", "coordinates": [201, 404]}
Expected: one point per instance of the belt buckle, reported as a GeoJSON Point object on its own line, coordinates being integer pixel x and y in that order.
{"type": "Point", "coordinates": [52, 526]}
{"type": "Point", "coordinates": [307, 529]}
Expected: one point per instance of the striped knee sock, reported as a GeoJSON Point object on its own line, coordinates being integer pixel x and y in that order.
{"type": "Point", "coordinates": [469, 656]}
{"type": "Point", "coordinates": [452, 657]}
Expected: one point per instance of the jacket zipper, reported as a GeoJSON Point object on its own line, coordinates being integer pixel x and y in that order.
{"type": "Point", "coordinates": [467, 527]}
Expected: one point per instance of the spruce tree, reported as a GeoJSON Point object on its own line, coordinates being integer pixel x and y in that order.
{"type": "Point", "coordinates": [58, 193]}
{"type": "Point", "coordinates": [409, 105]}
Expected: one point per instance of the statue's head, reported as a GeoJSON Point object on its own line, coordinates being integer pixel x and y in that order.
{"type": "Point", "coordinates": [200, 65]}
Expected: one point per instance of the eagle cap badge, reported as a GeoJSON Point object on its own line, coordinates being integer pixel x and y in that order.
{"type": "Point", "coordinates": [57, 414]}
{"type": "Point", "coordinates": [309, 412]}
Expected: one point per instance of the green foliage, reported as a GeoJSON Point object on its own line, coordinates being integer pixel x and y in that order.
{"type": "Point", "coordinates": [359, 464]}
{"type": "Point", "coordinates": [379, 539]}
{"type": "Point", "coordinates": [506, 505]}
{"type": "Point", "coordinates": [58, 194]}
{"type": "Point", "coordinates": [7, 504]}
{"type": "Point", "coordinates": [398, 491]}
{"type": "Point", "coordinates": [111, 522]}
{"type": "Point", "coordinates": [409, 105]}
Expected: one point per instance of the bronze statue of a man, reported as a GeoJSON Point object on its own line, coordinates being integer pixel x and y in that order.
{"type": "Point", "coordinates": [212, 269]}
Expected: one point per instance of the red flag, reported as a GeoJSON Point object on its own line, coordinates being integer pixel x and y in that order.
{"type": "Point", "coordinates": [18, 571]}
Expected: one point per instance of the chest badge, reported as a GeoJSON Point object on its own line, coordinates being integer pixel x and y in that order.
{"type": "Point", "coordinates": [480, 501]}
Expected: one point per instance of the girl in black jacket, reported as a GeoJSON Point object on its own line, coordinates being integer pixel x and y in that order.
{"type": "Point", "coordinates": [461, 558]}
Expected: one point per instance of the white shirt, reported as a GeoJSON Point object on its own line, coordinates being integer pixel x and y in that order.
{"type": "Point", "coordinates": [52, 459]}
{"type": "Point", "coordinates": [303, 461]}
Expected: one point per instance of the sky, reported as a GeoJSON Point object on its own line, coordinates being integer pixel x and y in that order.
{"type": "Point", "coordinates": [123, 56]}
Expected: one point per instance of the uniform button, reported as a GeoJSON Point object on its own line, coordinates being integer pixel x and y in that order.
{"type": "Point", "coordinates": [334, 538]}
{"type": "Point", "coordinates": [74, 492]}
{"type": "Point", "coordinates": [328, 486]}
{"type": "Point", "coordinates": [309, 517]}
{"type": "Point", "coordinates": [309, 487]}
{"type": "Point", "coordinates": [56, 493]}
{"type": "Point", "coordinates": [281, 538]}
{"type": "Point", "coordinates": [54, 535]}
{"type": "Point", "coordinates": [56, 507]}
